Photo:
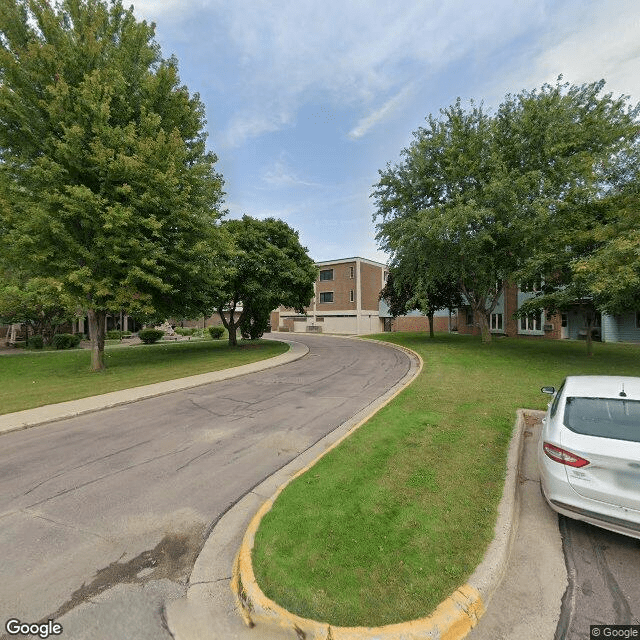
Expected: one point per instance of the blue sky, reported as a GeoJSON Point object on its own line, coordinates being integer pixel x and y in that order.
{"type": "Point", "coordinates": [306, 100]}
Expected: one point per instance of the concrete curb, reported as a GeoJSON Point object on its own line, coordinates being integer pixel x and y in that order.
{"type": "Point", "coordinates": [451, 620]}
{"type": "Point", "coordinates": [210, 608]}
{"type": "Point", "coordinates": [72, 408]}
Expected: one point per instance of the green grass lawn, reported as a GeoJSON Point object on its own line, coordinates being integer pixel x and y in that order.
{"type": "Point", "coordinates": [398, 516]}
{"type": "Point", "coordinates": [33, 379]}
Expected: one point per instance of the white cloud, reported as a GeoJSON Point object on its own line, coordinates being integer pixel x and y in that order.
{"type": "Point", "coordinates": [254, 123]}
{"type": "Point", "coordinates": [604, 43]}
{"type": "Point", "coordinates": [377, 116]}
{"type": "Point", "coordinates": [157, 10]}
{"type": "Point", "coordinates": [583, 46]}
{"type": "Point", "coordinates": [280, 174]}
{"type": "Point", "coordinates": [352, 53]}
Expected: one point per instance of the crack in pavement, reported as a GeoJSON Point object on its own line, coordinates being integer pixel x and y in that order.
{"type": "Point", "coordinates": [172, 558]}
{"type": "Point", "coordinates": [107, 475]}
{"type": "Point", "coordinates": [63, 524]}
{"type": "Point", "coordinates": [208, 452]}
{"type": "Point", "coordinates": [84, 464]}
{"type": "Point", "coordinates": [620, 604]}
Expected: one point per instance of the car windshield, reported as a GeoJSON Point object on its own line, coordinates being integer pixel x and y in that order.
{"type": "Point", "coordinates": [616, 418]}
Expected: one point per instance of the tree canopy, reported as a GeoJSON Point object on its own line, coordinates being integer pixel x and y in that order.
{"type": "Point", "coordinates": [40, 303]}
{"type": "Point", "coordinates": [408, 287]}
{"type": "Point", "coordinates": [105, 181]}
{"type": "Point", "coordinates": [266, 268]}
{"type": "Point", "coordinates": [448, 201]}
{"type": "Point", "coordinates": [532, 191]}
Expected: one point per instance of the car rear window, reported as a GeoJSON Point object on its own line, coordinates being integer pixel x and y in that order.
{"type": "Point", "coordinates": [616, 418]}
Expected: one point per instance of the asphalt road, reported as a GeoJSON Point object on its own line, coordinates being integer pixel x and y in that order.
{"type": "Point", "coordinates": [604, 579]}
{"type": "Point", "coordinates": [103, 515]}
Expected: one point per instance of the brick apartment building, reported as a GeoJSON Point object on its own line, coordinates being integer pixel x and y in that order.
{"type": "Point", "coordinates": [345, 300]}
{"type": "Point", "coordinates": [568, 325]}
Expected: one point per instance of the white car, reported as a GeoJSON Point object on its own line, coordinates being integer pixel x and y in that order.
{"type": "Point", "coordinates": [589, 451]}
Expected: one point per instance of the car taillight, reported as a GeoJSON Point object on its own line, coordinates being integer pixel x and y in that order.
{"type": "Point", "coordinates": [563, 456]}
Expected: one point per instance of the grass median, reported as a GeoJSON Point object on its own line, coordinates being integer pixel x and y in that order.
{"type": "Point", "coordinates": [395, 518]}
{"type": "Point", "coordinates": [31, 379]}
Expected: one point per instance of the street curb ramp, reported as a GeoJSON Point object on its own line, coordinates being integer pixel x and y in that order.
{"type": "Point", "coordinates": [451, 620]}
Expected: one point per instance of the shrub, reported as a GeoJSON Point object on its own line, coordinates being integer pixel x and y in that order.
{"type": "Point", "coordinates": [115, 334]}
{"type": "Point", "coordinates": [36, 342]}
{"type": "Point", "coordinates": [66, 340]}
{"type": "Point", "coordinates": [186, 331]}
{"type": "Point", "coordinates": [149, 336]}
{"type": "Point", "coordinates": [216, 332]}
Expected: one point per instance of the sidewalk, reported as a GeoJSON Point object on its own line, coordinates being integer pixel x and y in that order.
{"type": "Point", "coordinates": [70, 409]}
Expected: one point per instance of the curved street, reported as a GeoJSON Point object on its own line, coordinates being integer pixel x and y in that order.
{"type": "Point", "coordinates": [102, 516]}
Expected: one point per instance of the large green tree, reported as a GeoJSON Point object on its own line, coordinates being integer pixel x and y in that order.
{"type": "Point", "coordinates": [451, 202]}
{"type": "Point", "coordinates": [266, 268]}
{"type": "Point", "coordinates": [105, 181]}
{"type": "Point", "coordinates": [409, 287]}
{"type": "Point", "coordinates": [516, 195]}
{"type": "Point", "coordinates": [579, 148]}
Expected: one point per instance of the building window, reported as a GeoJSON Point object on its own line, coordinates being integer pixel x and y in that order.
{"type": "Point", "coordinates": [351, 272]}
{"type": "Point", "coordinates": [351, 295]}
{"type": "Point", "coordinates": [326, 296]}
{"type": "Point", "coordinates": [385, 276]}
{"type": "Point", "coordinates": [469, 317]}
{"type": "Point", "coordinates": [496, 322]}
{"type": "Point", "coordinates": [532, 322]}
{"type": "Point", "coordinates": [326, 274]}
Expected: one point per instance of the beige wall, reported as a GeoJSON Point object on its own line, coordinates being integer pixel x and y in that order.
{"type": "Point", "coordinates": [349, 276]}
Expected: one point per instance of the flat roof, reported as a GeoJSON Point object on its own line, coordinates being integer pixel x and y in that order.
{"type": "Point", "coordinates": [325, 263]}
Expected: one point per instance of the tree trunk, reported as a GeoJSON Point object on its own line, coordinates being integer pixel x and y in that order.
{"type": "Point", "coordinates": [96, 334]}
{"type": "Point", "coordinates": [589, 336]}
{"type": "Point", "coordinates": [233, 333]}
{"type": "Point", "coordinates": [230, 325]}
{"type": "Point", "coordinates": [430, 316]}
{"type": "Point", "coordinates": [481, 316]}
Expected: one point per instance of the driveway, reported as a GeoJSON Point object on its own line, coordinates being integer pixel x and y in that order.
{"type": "Point", "coordinates": [103, 515]}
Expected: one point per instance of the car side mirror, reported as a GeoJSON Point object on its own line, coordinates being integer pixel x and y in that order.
{"type": "Point", "coordinates": [549, 390]}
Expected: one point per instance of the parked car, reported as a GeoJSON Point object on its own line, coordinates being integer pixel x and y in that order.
{"type": "Point", "coordinates": [589, 451]}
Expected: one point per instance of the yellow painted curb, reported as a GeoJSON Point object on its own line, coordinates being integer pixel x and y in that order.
{"type": "Point", "coordinates": [451, 620]}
